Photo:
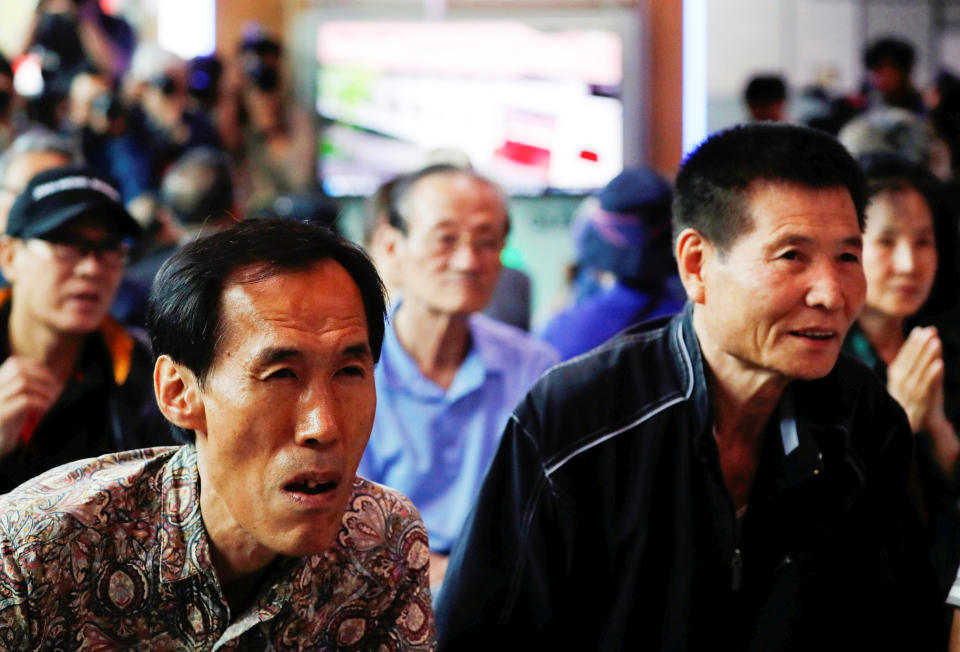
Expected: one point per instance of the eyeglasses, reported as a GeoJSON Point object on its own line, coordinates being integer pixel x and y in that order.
{"type": "Point", "coordinates": [70, 251]}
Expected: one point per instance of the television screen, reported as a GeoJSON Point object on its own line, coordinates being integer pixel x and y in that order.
{"type": "Point", "coordinates": [536, 110]}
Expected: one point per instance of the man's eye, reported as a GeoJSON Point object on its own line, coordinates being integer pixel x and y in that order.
{"type": "Point", "coordinates": [792, 254]}
{"type": "Point", "coordinates": [849, 258]}
{"type": "Point", "coordinates": [281, 373]}
{"type": "Point", "coordinates": [352, 371]}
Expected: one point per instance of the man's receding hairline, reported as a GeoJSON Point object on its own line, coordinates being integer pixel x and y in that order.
{"type": "Point", "coordinates": [261, 271]}
{"type": "Point", "coordinates": [468, 175]}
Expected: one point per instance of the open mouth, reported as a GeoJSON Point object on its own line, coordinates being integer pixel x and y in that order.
{"type": "Point", "coordinates": [311, 488]}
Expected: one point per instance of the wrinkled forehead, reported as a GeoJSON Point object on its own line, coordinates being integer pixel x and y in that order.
{"type": "Point", "coordinates": [452, 195]}
{"type": "Point", "coordinates": [307, 290]}
{"type": "Point", "coordinates": [782, 199]}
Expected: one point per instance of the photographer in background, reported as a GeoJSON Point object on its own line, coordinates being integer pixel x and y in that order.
{"type": "Point", "coordinates": [276, 154]}
{"type": "Point", "coordinates": [77, 35]}
{"type": "Point", "coordinates": [160, 118]}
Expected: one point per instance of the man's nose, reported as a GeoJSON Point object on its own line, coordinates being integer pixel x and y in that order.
{"type": "Point", "coordinates": [317, 424]}
{"type": "Point", "coordinates": [826, 290]}
{"type": "Point", "coordinates": [904, 259]}
{"type": "Point", "coordinates": [467, 255]}
{"type": "Point", "coordinates": [91, 264]}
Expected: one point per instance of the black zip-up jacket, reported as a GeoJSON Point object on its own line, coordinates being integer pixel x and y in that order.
{"type": "Point", "coordinates": [604, 522]}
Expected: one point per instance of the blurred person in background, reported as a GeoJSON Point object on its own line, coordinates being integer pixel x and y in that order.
{"type": "Point", "coordinates": [623, 242]}
{"type": "Point", "coordinates": [74, 382]}
{"type": "Point", "coordinates": [449, 376]}
{"type": "Point", "coordinates": [73, 36]}
{"type": "Point", "coordinates": [196, 198]}
{"type": "Point", "coordinates": [916, 356]}
{"type": "Point", "coordinates": [98, 120]}
{"type": "Point", "coordinates": [765, 97]}
{"type": "Point", "coordinates": [8, 129]}
{"type": "Point", "coordinates": [897, 132]}
{"type": "Point", "coordinates": [889, 62]}
{"type": "Point", "coordinates": [277, 146]}
{"type": "Point", "coordinates": [160, 118]}
{"type": "Point", "coordinates": [208, 96]}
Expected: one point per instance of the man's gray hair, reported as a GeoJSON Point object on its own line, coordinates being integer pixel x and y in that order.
{"type": "Point", "coordinates": [39, 140]}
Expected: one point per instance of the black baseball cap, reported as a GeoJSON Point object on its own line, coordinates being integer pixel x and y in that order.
{"type": "Point", "coordinates": [58, 196]}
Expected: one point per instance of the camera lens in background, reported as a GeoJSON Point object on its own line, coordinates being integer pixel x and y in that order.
{"type": "Point", "coordinates": [264, 76]}
{"type": "Point", "coordinates": [165, 84]}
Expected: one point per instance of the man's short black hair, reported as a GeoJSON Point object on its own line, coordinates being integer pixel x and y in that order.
{"type": "Point", "coordinates": [891, 51]}
{"type": "Point", "coordinates": [765, 89]}
{"type": "Point", "coordinates": [713, 185]}
{"type": "Point", "coordinates": [184, 315]}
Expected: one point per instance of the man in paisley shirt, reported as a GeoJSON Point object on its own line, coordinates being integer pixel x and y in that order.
{"type": "Point", "coordinates": [256, 534]}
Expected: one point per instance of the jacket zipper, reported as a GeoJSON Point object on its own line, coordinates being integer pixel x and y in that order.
{"type": "Point", "coordinates": [736, 568]}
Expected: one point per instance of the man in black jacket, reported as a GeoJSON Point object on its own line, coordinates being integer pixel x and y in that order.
{"type": "Point", "coordinates": [73, 382]}
{"type": "Point", "coordinates": [719, 480]}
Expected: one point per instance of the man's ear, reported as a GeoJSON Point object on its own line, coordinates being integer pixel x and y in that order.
{"type": "Point", "coordinates": [178, 394]}
{"type": "Point", "coordinates": [8, 250]}
{"type": "Point", "coordinates": [387, 238]}
{"type": "Point", "coordinates": [693, 251]}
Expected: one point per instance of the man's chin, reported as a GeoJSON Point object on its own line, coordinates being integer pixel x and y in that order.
{"type": "Point", "coordinates": [79, 326]}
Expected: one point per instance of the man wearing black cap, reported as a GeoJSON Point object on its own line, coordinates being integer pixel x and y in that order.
{"type": "Point", "coordinates": [73, 383]}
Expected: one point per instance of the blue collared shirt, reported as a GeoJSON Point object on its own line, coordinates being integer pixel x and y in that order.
{"type": "Point", "coordinates": [434, 445]}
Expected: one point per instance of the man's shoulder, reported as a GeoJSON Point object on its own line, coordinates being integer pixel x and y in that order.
{"type": "Point", "coordinates": [652, 359]}
{"type": "Point", "coordinates": [82, 494]}
{"type": "Point", "coordinates": [506, 334]}
{"type": "Point", "coordinates": [638, 374]}
{"type": "Point", "coordinates": [510, 344]}
{"type": "Point", "coordinates": [379, 519]}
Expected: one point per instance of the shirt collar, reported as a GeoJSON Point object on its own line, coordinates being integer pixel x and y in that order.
{"type": "Point", "coordinates": [484, 357]}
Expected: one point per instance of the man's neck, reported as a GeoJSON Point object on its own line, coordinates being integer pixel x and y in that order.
{"type": "Point", "coordinates": [240, 561]}
{"type": "Point", "coordinates": [743, 399]}
{"type": "Point", "coordinates": [56, 351]}
{"type": "Point", "coordinates": [438, 342]}
{"type": "Point", "coordinates": [884, 332]}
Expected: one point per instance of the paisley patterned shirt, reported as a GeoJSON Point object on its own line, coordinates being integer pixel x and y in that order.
{"type": "Point", "coordinates": [111, 553]}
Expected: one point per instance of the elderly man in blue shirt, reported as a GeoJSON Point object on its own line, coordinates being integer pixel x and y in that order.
{"type": "Point", "coordinates": [449, 376]}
